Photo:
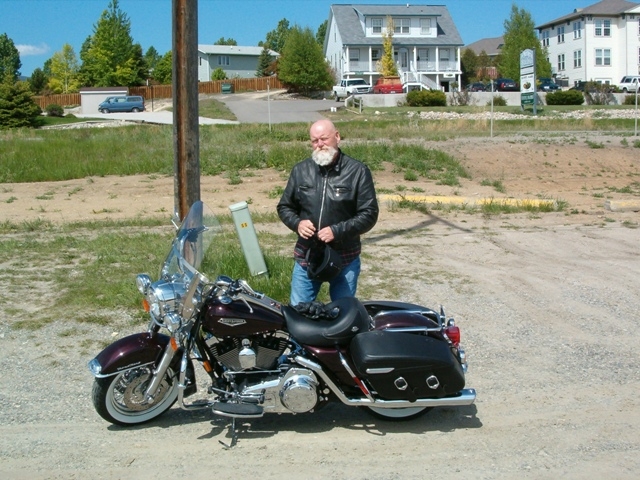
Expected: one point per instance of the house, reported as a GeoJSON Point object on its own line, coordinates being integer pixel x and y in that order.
{"type": "Point", "coordinates": [600, 42]}
{"type": "Point", "coordinates": [491, 46]}
{"type": "Point", "coordinates": [237, 62]}
{"type": "Point", "coordinates": [426, 43]}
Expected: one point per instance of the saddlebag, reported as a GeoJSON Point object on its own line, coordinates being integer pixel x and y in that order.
{"type": "Point", "coordinates": [406, 366]}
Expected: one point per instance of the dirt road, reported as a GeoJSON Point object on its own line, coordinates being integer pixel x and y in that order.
{"type": "Point", "coordinates": [548, 307]}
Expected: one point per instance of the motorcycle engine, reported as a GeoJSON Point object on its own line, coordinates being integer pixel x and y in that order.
{"type": "Point", "coordinates": [238, 354]}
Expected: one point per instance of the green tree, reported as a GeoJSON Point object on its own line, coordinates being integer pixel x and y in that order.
{"type": "Point", "coordinates": [322, 32]}
{"type": "Point", "coordinates": [265, 63]}
{"type": "Point", "coordinates": [17, 108]}
{"type": "Point", "coordinates": [219, 74]}
{"type": "Point", "coordinates": [109, 57]}
{"type": "Point", "coordinates": [151, 58]}
{"type": "Point", "coordinates": [163, 73]}
{"type": "Point", "coordinates": [302, 66]}
{"type": "Point", "coordinates": [38, 81]}
{"type": "Point", "coordinates": [387, 65]}
{"type": "Point", "coordinates": [276, 39]}
{"type": "Point", "coordinates": [9, 59]}
{"type": "Point", "coordinates": [469, 63]}
{"type": "Point", "coordinates": [519, 35]}
{"type": "Point", "coordinates": [225, 41]}
{"type": "Point", "coordinates": [484, 62]}
{"type": "Point", "coordinates": [64, 71]}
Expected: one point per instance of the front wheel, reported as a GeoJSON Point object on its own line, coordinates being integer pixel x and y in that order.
{"type": "Point", "coordinates": [397, 414]}
{"type": "Point", "coordinates": [119, 399]}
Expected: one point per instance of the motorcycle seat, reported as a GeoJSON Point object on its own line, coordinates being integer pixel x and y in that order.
{"type": "Point", "coordinates": [351, 320]}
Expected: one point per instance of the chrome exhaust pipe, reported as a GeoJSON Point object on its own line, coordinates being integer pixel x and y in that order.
{"type": "Point", "coordinates": [466, 396]}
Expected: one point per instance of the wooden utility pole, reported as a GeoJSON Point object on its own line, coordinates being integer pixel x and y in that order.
{"type": "Point", "coordinates": [185, 106]}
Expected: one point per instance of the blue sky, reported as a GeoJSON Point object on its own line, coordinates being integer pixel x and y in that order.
{"type": "Point", "coordinates": [39, 28]}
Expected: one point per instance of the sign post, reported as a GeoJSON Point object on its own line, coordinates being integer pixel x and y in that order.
{"type": "Point", "coordinates": [528, 79]}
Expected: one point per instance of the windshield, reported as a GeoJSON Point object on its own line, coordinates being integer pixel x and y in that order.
{"type": "Point", "coordinates": [194, 237]}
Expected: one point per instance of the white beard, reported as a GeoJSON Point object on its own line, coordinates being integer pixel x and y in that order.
{"type": "Point", "coordinates": [324, 156]}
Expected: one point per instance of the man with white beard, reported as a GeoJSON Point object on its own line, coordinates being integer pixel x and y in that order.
{"type": "Point", "coordinates": [330, 200]}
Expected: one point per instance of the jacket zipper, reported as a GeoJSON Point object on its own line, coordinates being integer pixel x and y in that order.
{"type": "Point", "coordinates": [324, 192]}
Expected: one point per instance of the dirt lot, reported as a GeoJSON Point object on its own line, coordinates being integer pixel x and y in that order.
{"type": "Point", "coordinates": [548, 307]}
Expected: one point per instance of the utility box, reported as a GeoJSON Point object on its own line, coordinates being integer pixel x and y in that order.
{"type": "Point", "coordinates": [248, 238]}
{"type": "Point", "coordinates": [227, 88]}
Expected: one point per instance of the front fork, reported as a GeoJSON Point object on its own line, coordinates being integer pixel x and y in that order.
{"type": "Point", "coordinates": [159, 373]}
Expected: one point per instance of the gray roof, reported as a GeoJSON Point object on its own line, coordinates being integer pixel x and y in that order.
{"type": "Point", "coordinates": [603, 8]}
{"type": "Point", "coordinates": [490, 46]}
{"type": "Point", "coordinates": [348, 18]}
{"type": "Point", "coordinates": [233, 50]}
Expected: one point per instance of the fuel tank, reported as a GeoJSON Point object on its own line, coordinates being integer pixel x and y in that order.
{"type": "Point", "coordinates": [240, 318]}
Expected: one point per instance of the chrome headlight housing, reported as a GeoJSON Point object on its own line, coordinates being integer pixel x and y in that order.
{"type": "Point", "coordinates": [165, 301]}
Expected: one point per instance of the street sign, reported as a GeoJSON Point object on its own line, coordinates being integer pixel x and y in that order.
{"type": "Point", "coordinates": [527, 98]}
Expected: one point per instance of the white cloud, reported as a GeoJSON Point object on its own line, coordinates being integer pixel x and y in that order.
{"type": "Point", "coordinates": [26, 50]}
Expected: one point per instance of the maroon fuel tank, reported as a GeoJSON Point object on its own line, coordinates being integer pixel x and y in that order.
{"type": "Point", "coordinates": [240, 318]}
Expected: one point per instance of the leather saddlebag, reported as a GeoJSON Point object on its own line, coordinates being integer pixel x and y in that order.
{"type": "Point", "coordinates": [406, 366]}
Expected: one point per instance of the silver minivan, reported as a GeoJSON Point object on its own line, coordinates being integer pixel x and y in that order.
{"type": "Point", "coordinates": [134, 103]}
{"type": "Point", "coordinates": [629, 83]}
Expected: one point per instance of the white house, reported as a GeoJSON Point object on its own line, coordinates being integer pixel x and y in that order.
{"type": "Point", "coordinates": [236, 61]}
{"type": "Point", "coordinates": [600, 42]}
{"type": "Point", "coordinates": [426, 43]}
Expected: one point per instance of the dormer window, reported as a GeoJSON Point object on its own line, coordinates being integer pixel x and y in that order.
{"type": "Point", "coordinates": [376, 26]}
{"type": "Point", "coordinates": [425, 26]}
{"type": "Point", "coordinates": [401, 26]}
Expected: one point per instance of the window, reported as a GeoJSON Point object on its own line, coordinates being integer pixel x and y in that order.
{"type": "Point", "coordinates": [603, 56]}
{"type": "Point", "coordinates": [638, 56]}
{"type": "Point", "coordinates": [375, 54]}
{"type": "Point", "coordinates": [401, 25]}
{"type": "Point", "coordinates": [354, 55]}
{"type": "Point", "coordinates": [561, 62]}
{"type": "Point", "coordinates": [223, 60]}
{"type": "Point", "coordinates": [577, 58]}
{"type": "Point", "coordinates": [444, 54]}
{"type": "Point", "coordinates": [545, 38]}
{"type": "Point", "coordinates": [376, 26]}
{"type": "Point", "coordinates": [423, 55]}
{"type": "Point", "coordinates": [577, 30]}
{"type": "Point", "coordinates": [560, 34]}
{"type": "Point", "coordinates": [603, 28]}
{"type": "Point", "coordinates": [425, 26]}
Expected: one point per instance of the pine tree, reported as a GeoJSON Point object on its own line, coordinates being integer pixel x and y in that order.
{"type": "Point", "coordinates": [9, 59]}
{"type": "Point", "coordinates": [265, 63]}
{"type": "Point", "coordinates": [17, 108]}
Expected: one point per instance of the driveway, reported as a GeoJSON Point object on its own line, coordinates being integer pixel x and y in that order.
{"type": "Point", "coordinates": [164, 117]}
{"type": "Point", "coordinates": [273, 107]}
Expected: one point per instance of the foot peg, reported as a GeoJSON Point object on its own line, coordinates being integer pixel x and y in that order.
{"type": "Point", "coordinates": [237, 410]}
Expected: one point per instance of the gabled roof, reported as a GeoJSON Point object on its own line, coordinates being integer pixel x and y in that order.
{"type": "Point", "coordinates": [491, 46]}
{"type": "Point", "coordinates": [350, 20]}
{"type": "Point", "coordinates": [233, 50]}
{"type": "Point", "coordinates": [603, 8]}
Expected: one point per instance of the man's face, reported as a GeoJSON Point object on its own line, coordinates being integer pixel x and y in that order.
{"type": "Point", "coordinates": [324, 141]}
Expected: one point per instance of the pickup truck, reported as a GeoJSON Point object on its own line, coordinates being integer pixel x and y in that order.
{"type": "Point", "coordinates": [350, 86]}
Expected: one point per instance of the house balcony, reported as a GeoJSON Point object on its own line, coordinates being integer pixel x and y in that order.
{"type": "Point", "coordinates": [422, 67]}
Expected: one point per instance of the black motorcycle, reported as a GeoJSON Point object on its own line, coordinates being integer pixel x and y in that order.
{"type": "Point", "coordinates": [395, 359]}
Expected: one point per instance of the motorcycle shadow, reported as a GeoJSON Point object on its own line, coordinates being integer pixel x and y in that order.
{"type": "Point", "coordinates": [326, 419]}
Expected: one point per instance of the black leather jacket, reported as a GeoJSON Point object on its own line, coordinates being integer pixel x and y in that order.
{"type": "Point", "coordinates": [341, 196]}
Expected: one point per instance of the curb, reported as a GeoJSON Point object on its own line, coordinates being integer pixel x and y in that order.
{"type": "Point", "coordinates": [622, 205]}
{"type": "Point", "coordinates": [435, 199]}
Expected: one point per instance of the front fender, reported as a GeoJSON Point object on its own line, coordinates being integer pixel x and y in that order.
{"type": "Point", "coordinates": [128, 352]}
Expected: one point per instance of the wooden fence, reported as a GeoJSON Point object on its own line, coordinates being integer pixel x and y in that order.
{"type": "Point", "coordinates": [165, 91]}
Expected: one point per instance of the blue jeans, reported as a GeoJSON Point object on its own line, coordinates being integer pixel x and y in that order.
{"type": "Point", "coordinates": [304, 289]}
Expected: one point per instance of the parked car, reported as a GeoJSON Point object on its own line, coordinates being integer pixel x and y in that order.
{"type": "Point", "coordinates": [477, 87]}
{"type": "Point", "coordinates": [385, 86]}
{"type": "Point", "coordinates": [132, 103]}
{"type": "Point", "coordinates": [506, 85]}
{"type": "Point", "coordinates": [350, 86]}
{"type": "Point", "coordinates": [629, 83]}
{"type": "Point", "coordinates": [547, 85]}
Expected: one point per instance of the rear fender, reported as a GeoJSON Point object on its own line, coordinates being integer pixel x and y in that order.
{"type": "Point", "coordinates": [389, 314]}
{"type": "Point", "coordinates": [129, 352]}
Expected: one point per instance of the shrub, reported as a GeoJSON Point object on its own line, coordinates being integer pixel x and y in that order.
{"type": "Point", "coordinates": [568, 97]}
{"type": "Point", "coordinates": [426, 98]}
{"type": "Point", "coordinates": [630, 100]}
{"type": "Point", "coordinates": [54, 110]}
{"type": "Point", "coordinates": [218, 74]}
{"type": "Point", "coordinates": [498, 101]}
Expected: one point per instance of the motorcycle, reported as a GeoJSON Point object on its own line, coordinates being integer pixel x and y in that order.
{"type": "Point", "coordinates": [396, 360]}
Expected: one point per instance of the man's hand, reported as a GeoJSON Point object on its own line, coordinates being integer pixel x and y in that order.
{"type": "Point", "coordinates": [306, 229]}
{"type": "Point", "coordinates": [326, 235]}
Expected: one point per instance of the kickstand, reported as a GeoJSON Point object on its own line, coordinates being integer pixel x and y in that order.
{"type": "Point", "coordinates": [234, 435]}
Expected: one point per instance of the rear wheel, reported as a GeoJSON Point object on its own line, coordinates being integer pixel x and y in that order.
{"type": "Point", "coordinates": [135, 110]}
{"type": "Point", "coordinates": [119, 399]}
{"type": "Point", "coordinates": [397, 414]}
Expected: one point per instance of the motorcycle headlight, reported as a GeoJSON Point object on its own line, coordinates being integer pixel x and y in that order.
{"type": "Point", "coordinates": [164, 299]}
{"type": "Point", "coordinates": [143, 282]}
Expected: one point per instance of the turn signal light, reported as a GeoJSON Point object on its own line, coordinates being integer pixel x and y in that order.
{"type": "Point", "coordinates": [145, 305]}
{"type": "Point", "coordinates": [453, 333]}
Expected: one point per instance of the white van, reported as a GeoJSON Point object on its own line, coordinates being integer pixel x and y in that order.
{"type": "Point", "coordinates": [629, 83]}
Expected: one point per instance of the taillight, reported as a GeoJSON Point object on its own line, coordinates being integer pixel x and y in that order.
{"type": "Point", "coordinates": [453, 333]}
